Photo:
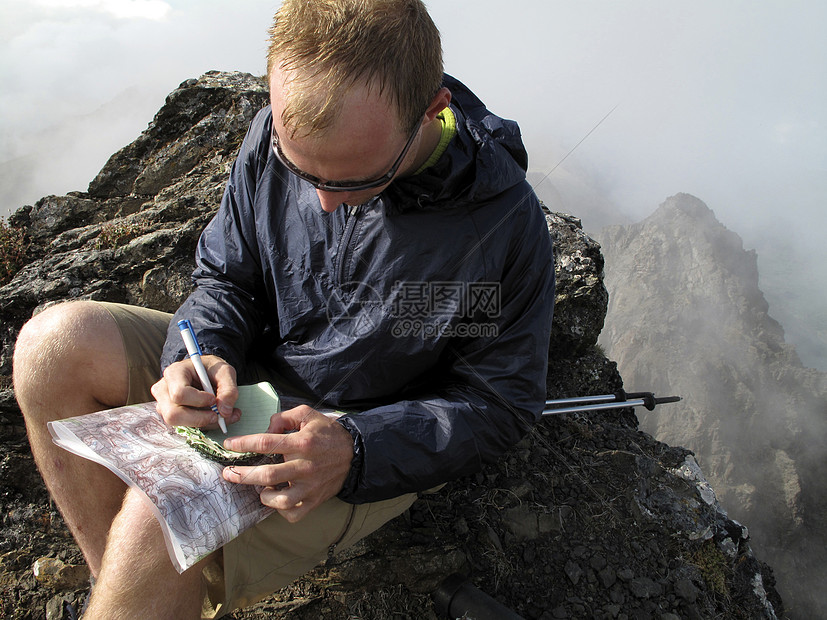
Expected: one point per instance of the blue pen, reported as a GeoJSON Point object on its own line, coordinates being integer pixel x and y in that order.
{"type": "Point", "coordinates": [194, 350]}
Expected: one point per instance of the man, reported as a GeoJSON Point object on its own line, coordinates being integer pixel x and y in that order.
{"type": "Point", "coordinates": [377, 251]}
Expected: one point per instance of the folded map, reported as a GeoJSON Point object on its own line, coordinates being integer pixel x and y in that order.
{"type": "Point", "coordinates": [198, 510]}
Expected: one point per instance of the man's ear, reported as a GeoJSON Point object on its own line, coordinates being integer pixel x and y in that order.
{"type": "Point", "coordinates": [438, 104]}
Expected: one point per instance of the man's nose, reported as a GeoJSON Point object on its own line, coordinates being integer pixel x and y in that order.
{"type": "Point", "coordinates": [331, 200]}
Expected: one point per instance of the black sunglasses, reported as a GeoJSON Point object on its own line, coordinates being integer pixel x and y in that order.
{"type": "Point", "coordinates": [342, 186]}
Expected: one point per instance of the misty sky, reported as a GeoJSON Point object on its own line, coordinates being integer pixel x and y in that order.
{"type": "Point", "coordinates": [723, 100]}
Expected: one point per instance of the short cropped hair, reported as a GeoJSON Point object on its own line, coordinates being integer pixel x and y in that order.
{"type": "Point", "coordinates": [330, 45]}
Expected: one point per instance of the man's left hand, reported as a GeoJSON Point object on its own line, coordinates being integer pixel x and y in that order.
{"type": "Point", "coordinates": [316, 463]}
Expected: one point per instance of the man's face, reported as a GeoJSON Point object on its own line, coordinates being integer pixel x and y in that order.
{"type": "Point", "coordinates": [363, 144]}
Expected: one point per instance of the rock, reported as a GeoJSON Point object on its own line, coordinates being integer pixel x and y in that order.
{"type": "Point", "coordinates": [643, 587]}
{"type": "Point", "coordinates": [131, 238]}
{"type": "Point", "coordinates": [56, 607]}
{"type": "Point", "coordinates": [685, 589]}
{"type": "Point", "coordinates": [585, 516]}
{"type": "Point", "coordinates": [573, 572]}
{"type": "Point", "coordinates": [56, 574]}
{"type": "Point", "coordinates": [522, 522]}
{"type": "Point", "coordinates": [581, 297]}
{"type": "Point", "coordinates": [608, 577]}
{"type": "Point", "coordinates": [687, 315]}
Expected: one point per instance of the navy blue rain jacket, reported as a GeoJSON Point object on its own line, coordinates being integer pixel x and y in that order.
{"type": "Point", "coordinates": [425, 313]}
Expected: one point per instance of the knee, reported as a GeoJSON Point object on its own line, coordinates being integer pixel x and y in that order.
{"type": "Point", "coordinates": [60, 342]}
{"type": "Point", "coordinates": [51, 332]}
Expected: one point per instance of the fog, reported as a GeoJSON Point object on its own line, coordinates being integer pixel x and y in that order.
{"type": "Point", "coordinates": [721, 100]}
{"type": "Point", "coordinates": [621, 104]}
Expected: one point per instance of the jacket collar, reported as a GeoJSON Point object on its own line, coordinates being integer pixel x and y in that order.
{"type": "Point", "coordinates": [484, 159]}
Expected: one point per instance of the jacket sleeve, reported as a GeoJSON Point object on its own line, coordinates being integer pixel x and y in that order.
{"type": "Point", "coordinates": [488, 394]}
{"type": "Point", "coordinates": [228, 307]}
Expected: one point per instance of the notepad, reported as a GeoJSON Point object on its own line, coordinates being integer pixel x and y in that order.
{"type": "Point", "coordinates": [257, 403]}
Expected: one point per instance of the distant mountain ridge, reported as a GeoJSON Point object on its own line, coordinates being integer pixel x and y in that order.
{"type": "Point", "coordinates": [686, 316]}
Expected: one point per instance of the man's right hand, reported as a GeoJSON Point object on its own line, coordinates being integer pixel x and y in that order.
{"type": "Point", "coordinates": [182, 401]}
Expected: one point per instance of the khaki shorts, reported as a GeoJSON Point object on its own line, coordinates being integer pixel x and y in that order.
{"type": "Point", "coordinates": [272, 554]}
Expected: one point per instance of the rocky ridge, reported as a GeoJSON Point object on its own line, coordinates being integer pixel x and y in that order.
{"type": "Point", "coordinates": [686, 313]}
{"type": "Point", "coordinates": [586, 517]}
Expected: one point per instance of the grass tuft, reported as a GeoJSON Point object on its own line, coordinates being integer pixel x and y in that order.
{"type": "Point", "coordinates": [12, 251]}
{"type": "Point", "coordinates": [116, 234]}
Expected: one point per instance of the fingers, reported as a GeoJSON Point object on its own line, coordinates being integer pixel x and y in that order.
{"type": "Point", "coordinates": [262, 443]}
{"type": "Point", "coordinates": [189, 413]}
{"type": "Point", "coordinates": [182, 401]}
{"type": "Point", "coordinates": [281, 437]}
{"type": "Point", "coordinates": [224, 379]}
{"type": "Point", "coordinates": [286, 502]}
{"type": "Point", "coordinates": [292, 419]}
{"type": "Point", "coordinates": [317, 459]}
{"type": "Point", "coordinates": [292, 500]}
{"type": "Point", "coordinates": [261, 475]}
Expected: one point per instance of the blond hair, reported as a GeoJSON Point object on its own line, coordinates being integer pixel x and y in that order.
{"type": "Point", "coordinates": [327, 46]}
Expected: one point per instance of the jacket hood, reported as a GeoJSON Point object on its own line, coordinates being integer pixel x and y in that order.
{"type": "Point", "coordinates": [485, 158]}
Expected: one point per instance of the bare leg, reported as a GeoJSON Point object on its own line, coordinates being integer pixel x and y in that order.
{"type": "Point", "coordinates": [137, 579]}
{"type": "Point", "coordinates": [69, 360]}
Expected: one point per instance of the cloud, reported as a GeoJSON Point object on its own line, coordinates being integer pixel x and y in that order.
{"type": "Point", "coordinates": [82, 78]}
{"type": "Point", "coordinates": [122, 9]}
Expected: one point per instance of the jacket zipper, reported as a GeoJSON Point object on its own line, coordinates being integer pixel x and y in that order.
{"type": "Point", "coordinates": [344, 246]}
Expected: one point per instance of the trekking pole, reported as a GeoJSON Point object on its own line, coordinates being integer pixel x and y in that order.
{"type": "Point", "coordinates": [618, 400]}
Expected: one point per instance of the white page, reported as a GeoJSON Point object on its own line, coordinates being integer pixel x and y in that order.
{"type": "Point", "coordinates": [257, 403]}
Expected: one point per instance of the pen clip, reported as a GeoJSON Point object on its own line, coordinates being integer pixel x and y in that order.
{"type": "Point", "coordinates": [188, 334]}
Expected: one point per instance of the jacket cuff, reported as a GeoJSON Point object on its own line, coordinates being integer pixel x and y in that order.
{"type": "Point", "coordinates": [352, 480]}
